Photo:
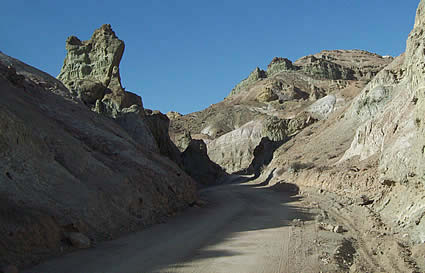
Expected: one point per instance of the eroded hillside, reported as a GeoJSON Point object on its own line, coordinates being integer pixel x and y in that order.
{"type": "Point", "coordinates": [71, 177]}
{"type": "Point", "coordinates": [277, 103]}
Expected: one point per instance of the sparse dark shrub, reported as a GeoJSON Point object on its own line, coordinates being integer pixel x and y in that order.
{"type": "Point", "coordinates": [297, 166]}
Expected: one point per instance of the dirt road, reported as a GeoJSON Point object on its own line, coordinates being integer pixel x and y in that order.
{"type": "Point", "coordinates": [242, 228]}
{"type": "Point", "coordinates": [245, 227]}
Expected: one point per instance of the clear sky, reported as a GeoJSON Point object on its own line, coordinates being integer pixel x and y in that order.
{"type": "Point", "coordinates": [184, 55]}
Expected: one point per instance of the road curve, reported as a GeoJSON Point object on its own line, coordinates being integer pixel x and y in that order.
{"type": "Point", "coordinates": [243, 228]}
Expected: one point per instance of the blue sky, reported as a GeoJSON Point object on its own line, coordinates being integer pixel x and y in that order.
{"type": "Point", "coordinates": [184, 55]}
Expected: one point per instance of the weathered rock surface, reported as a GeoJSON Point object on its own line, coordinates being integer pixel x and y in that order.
{"type": "Point", "coordinates": [91, 69]}
{"type": "Point", "coordinates": [65, 168]}
{"type": "Point", "coordinates": [181, 140]}
{"type": "Point", "coordinates": [267, 95]}
{"type": "Point", "coordinates": [370, 143]}
{"type": "Point", "coordinates": [198, 165]}
{"type": "Point", "coordinates": [159, 124]}
{"type": "Point", "coordinates": [255, 75]}
{"type": "Point", "coordinates": [391, 109]}
{"type": "Point", "coordinates": [78, 239]}
{"type": "Point", "coordinates": [323, 107]}
{"type": "Point", "coordinates": [279, 64]}
{"type": "Point", "coordinates": [173, 115]}
{"type": "Point", "coordinates": [91, 72]}
{"type": "Point", "coordinates": [344, 64]}
{"type": "Point", "coordinates": [287, 92]}
{"type": "Point", "coordinates": [234, 151]}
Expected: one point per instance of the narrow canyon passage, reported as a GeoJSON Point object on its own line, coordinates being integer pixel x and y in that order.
{"type": "Point", "coordinates": [243, 228]}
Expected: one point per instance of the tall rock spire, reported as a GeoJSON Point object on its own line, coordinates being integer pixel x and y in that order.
{"type": "Point", "coordinates": [91, 69]}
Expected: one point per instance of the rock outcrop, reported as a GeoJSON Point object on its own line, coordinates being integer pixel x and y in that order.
{"type": "Point", "coordinates": [91, 70]}
{"type": "Point", "coordinates": [279, 64]}
{"type": "Point", "coordinates": [91, 73]}
{"type": "Point", "coordinates": [255, 75]}
{"type": "Point", "coordinates": [159, 124]}
{"type": "Point", "coordinates": [199, 166]}
{"type": "Point", "coordinates": [234, 151]}
{"type": "Point", "coordinates": [173, 115]}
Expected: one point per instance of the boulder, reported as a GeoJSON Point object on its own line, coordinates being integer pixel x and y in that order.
{"type": "Point", "coordinates": [275, 129]}
{"type": "Point", "coordinates": [78, 239]}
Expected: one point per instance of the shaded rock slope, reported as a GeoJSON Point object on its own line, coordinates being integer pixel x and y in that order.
{"type": "Point", "coordinates": [69, 175]}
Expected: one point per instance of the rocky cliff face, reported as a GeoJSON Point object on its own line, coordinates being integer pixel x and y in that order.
{"type": "Point", "coordinates": [392, 109]}
{"type": "Point", "coordinates": [65, 168]}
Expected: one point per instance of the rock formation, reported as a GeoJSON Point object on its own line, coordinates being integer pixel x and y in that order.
{"type": "Point", "coordinates": [391, 109]}
{"type": "Point", "coordinates": [199, 166]}
{"type": "Point", "coordinates": [159, 125]}
{"type": "Point", "coordinates": [91, 73]}
{"type": "Point", "coordinates": [234, 151]}
{"type": "Point", "coordinates": [369, 144]}
{"type": "Point", "coordinates": [65, 169]}
{"type": "Point", "coordinates": [91, 70]}
{"type": "Point", "coordinates": [279, 64]}
{"type": "Point", "coordinates": [289, 96]}
{"type": "Point", "coordinates": [255, 75]}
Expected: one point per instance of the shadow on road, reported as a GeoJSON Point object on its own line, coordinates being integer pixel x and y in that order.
{"type": "Point", "coordinates": [239, 219]}
{"type": "Point", "coordinates": [266, 208]}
